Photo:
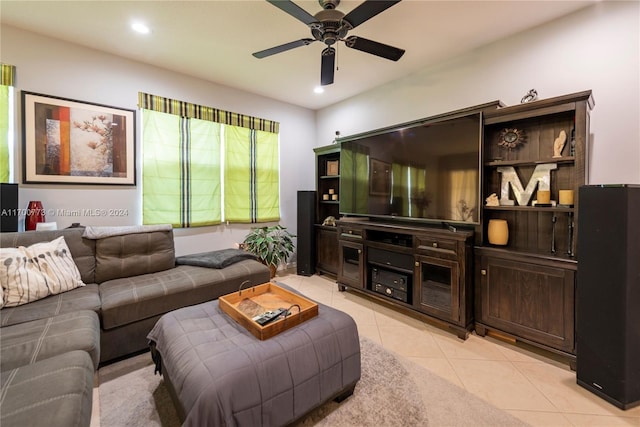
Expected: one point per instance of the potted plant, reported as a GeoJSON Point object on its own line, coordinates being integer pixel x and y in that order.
{"type": "Point", "coordinates": [272, 245]}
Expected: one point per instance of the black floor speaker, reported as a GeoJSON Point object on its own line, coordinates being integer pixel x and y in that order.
{"type": "Point", "coordinates": [306, 260]}
{"type": "Point", "coordinates": [9, 207]}
{"type": "Point", "coordinates": [608, 293]}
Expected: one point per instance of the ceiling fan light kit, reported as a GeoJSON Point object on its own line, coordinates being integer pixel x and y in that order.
{"type": "Point", "coordinates": [331, 26]}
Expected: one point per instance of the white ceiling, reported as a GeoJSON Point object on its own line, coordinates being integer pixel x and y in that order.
{"type": "Point", "coordinates": [213, 40]}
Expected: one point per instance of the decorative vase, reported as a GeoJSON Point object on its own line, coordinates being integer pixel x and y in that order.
{"type": "Point", "coordinates": [498, 231]}
{"type": "Point", "coordinates": [35, 214]}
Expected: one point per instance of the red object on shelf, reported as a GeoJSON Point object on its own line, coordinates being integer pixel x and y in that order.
{"type": "Point", "coordinates": [35, 214]}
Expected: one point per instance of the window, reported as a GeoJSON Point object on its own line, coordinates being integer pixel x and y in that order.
{"type": "Point", "coordinates": [194, 155]}
{"type": "Point", "coordinates": [251, 175]}
{"type": "Point", "coordinates": [7, 73]}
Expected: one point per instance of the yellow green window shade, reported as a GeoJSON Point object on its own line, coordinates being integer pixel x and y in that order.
{"type": "Point", "coordinates": [180, 171]}
{"type": "Point", "coordinates": [4, 133]}
{"type": "Point", "coordinates": [7, 74]}
{"type": "Point", "coordinates": [186, 109]}
{"type": "Point", "coordinates": [251, 176]}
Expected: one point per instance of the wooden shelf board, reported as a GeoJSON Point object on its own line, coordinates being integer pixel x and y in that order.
{"type": "Point", "coordinates": [563, 159]}
{"type": "Point", "coordinates": [531, 208]}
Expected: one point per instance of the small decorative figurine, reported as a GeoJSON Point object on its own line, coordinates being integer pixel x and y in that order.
{"type": "Point", "coordinates": [532, 95]}
{"type": "Point", "coordinates": [330, 221]}
{"type": "Point", "coordinates": [492, 200]}
{"type": "Point", "coordinates": [335, 140]}
{"type": "Point", "coordinates": [558, 144]}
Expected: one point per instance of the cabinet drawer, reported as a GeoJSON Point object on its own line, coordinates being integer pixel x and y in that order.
{"type": "Point", "coordinates": [350, 233]}
{"type": "Point", "coordinates": [437, 246]}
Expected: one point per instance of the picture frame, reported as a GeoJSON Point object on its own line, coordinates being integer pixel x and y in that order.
{"type": "Point", "coordinates": [333, 168]}
{"type": "Point", "coordinates": [66, 141]}
{"type": "Point", "coordinates": [379, 178]}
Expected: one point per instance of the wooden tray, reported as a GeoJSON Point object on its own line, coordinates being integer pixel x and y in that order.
{"type": "Point", "coordinates": [270, 297]}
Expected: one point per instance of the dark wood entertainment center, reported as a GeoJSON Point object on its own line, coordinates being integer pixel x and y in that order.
{"type": "Point", "coordinates": [425, 269]}
{"type": "Point", "coordinates": [523, 290]}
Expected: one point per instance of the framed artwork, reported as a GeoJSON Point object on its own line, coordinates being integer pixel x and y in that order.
{"type": "Point", "coordinates": [379, 178]}
{"type": "Point", "coordinates": [75, 142]}
{"type": "Point", "coordinates": [333, 168]}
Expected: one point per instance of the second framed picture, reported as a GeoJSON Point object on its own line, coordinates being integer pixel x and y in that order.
{"type": "Point", "coordinates": [75, 142]}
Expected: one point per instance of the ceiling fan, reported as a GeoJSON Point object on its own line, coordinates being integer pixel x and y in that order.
{"type": "Point", "coordinates": [331, 26]}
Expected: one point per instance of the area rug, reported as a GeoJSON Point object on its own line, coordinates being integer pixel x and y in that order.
{"type": "Point", "coordinates": [391, 392]}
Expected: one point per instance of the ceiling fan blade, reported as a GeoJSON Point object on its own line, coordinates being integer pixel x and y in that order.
{"type": "Point", "coordinates": [282, 48]}
{"type": "Point", "coordinates": [328, 66]}
{"type": "Point", "coordinates": [367, 10]}
{"type": "Point", "coordinates": [374, 48]}
{"type": "Point", "coordinates": [294, 10]}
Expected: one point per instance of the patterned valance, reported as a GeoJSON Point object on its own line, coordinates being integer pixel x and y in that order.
{"type": "Point", "coordinates": [185, 109]}
{"type": "Point", "coordinates": [8, 75]}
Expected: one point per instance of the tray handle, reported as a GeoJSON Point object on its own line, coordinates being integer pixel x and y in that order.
{"type": "Point", "coordinates": [242, 284]}
{"type": "Point", "coordinates": [288, 312]}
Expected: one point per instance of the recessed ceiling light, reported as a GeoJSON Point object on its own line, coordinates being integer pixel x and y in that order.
{"type": "Point", "coordinates": [139, 27]}
{"type": "Point", "coordinates": [318, 89]}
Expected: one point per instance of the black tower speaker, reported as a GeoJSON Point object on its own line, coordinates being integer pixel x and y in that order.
{"type": "Point", "coordinates": [8, 207]}
{"type": "Point", "coordinates": [608, 293]}
{"type": "Point", "coordinates": [306, 263]}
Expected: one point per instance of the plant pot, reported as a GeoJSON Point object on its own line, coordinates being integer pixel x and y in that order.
{"type": "Point", "coordinates": [273, 269]}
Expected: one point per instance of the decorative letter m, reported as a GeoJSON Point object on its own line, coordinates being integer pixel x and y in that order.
{"type": "Point", "coordinates": [541, 177]}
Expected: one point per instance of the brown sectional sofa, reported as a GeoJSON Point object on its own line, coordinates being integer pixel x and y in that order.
{"type": "Point", "coordinates": [131, 279]}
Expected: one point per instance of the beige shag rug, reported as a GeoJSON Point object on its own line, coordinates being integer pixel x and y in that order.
{"type": "Point", "coordinates": [391, 392]}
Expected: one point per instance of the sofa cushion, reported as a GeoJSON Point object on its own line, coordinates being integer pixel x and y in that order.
{"type": "Point", "coordinates": [131, 299]}
{"type": "Point", "coordinates": [29, 342]}
{"type": "Point", "coordinates": [55, 392]}
{"type": "Point", "coordinates": [22, 280]}
{"type": "Point", "coordinates": [83, 298]}
{"type": "Point", "coordinates": [35, 272]}
{"type": "Point", "coordinates": [134, 254]}
{"type": "Point", "coordinates": [82, 250]}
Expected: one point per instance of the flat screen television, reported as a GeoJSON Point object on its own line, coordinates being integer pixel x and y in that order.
{"type": "Point", "coordinates": [424, 171]}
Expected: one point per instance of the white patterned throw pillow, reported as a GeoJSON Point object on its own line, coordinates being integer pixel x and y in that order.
{"type": "Point", "coordinates": [35, 272]}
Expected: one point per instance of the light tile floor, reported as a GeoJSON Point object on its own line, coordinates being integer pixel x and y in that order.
{"type": "Point", "coordinates": [534, 387]}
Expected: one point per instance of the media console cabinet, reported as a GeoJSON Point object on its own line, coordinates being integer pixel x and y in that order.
{"type": "Point", "coordinates": [522, 290]}
{"type": "Point", "coordinates": [425, 270]}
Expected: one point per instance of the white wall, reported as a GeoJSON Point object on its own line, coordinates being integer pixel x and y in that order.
{"type": "Point", "coordinates": [53, 67]}
{"type": "Point", "coordinates": [597, 48]}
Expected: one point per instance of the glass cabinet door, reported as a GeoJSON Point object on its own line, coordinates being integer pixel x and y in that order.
{"type": "Point", "coordinates": [437, 287]}
{"type": "Point", "coordinates": [351, 269]}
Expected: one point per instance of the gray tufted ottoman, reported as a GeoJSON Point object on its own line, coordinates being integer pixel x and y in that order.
{"type": "Point", "coordinates": [220, 374]}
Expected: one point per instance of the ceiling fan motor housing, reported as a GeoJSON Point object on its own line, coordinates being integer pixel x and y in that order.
{"type": "Point", "coordinates": [331, 26]}
{"type": "Point", "coordinates": [329, 4]}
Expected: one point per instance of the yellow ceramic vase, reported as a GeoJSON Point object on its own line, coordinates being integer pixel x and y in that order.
{"type": "Point", "coordinates": [498, 231]}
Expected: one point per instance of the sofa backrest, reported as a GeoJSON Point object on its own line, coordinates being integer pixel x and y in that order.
{"type": "Point", "coordinates": [106, 258]}
{"type": "Point", "coordinates": [82, 250]}
{"type": "Point", "coordinates": [133, 254]}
